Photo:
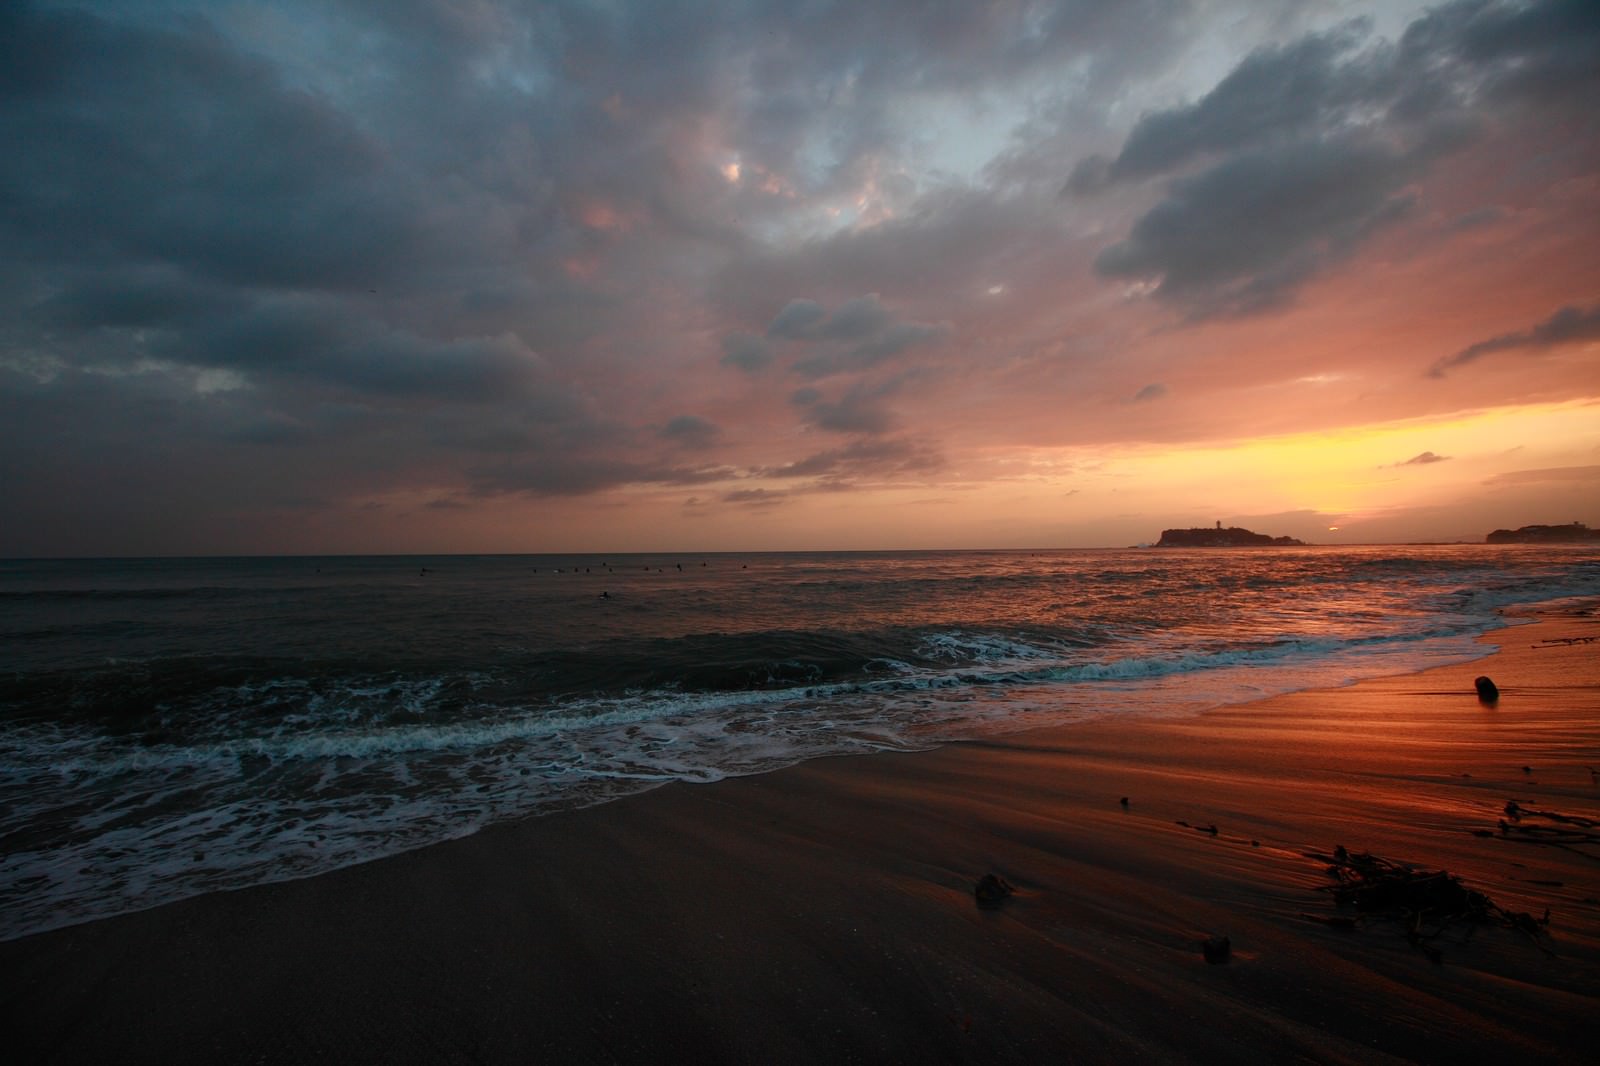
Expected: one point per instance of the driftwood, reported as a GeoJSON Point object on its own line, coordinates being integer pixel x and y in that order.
{"type": "Point", "coordinates": [1424, 902]}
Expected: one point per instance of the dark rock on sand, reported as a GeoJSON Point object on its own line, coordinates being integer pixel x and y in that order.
{"type": "Point", "coordinates": [992, 890]}
{"type": "Point", "coordinates": [1216, 949]}
{"type": "Point", "coordinates": [1487, 692]}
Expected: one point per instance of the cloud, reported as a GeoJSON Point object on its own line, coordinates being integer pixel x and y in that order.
{"type": "Point", "coordinates": [1548, 474]}
{"type": "Point", "coordinates": [758, 499]}
{"type": "Point", "coordinates": [1424, 459]}
{"type": "Point", "coordinates": [152, 143]}
{"type": "Point", "coordinates": [1478, 218]}
{"type": "Point", "coordinates": [745, 351]}
{"type": "Point", "coordinates": [1305, 150]}
{"type": "Point", "coordinates": [799, 320]}
{"type": "Point", "coordinates": [1153, 391]}
{"type": "Point", "coordinates": [856, 319]}
{"type": "Point", "coordinates": [1569, 325]}
{"type": "Point", "coordinates": [885, 345]}
{"type": "Point", "coordinates": [860, 409]}
{"type": "Point", "coordinates": [874, 457]}
{"type": "Point", "coordinates": [1275, 93]}
{"type": "Point", "coordinates": [581, 474]}
{"type": "Point", "coordinates": [307, 253]}
{"type": "Point", "coordinates": [1243, 236]}
{"type": "Point", "coordinates": [858, 335]}
{"type": "Point", "coordinates": [691, 431]}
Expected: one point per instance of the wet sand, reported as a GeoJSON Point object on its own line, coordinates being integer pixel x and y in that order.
{"type": "Point", "coordinates": [825, 913]}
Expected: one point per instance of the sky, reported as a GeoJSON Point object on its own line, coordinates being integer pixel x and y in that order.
{"type": "Point", "coordinates": [363, 276]}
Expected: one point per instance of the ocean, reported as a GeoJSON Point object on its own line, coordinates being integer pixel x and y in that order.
{"type": "Point", "coordinates": [170, 727]}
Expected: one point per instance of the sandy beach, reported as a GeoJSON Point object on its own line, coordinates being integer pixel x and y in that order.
{"type": "Point", "coordinates": [826, 913]}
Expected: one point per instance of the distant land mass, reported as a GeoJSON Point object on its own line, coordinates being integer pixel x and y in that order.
{"type": "Point", "coordinates": [1572, 533]}
{"type": "Point", "coordinates": [1232, 537]}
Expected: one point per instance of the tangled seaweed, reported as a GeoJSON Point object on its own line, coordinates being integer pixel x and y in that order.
{"type": "Point", "coordinates": [1425, 902]}
{"type": "Point", "coordinates": [1533, 826]}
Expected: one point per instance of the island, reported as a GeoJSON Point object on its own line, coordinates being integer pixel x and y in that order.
{"type": "Point", "coordinates": [1232, 537]}
{"type": "Point", "coordinates": [1571, 533]}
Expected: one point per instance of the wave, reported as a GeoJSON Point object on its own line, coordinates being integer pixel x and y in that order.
{"type": "Point", "coordinates": [142, 775]}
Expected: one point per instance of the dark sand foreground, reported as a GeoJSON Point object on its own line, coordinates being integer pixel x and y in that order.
{"type": "Point", "coordinates": [825, 913]}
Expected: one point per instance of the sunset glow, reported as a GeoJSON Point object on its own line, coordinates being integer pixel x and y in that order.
{"type": "Point", "coordinates": [736, 279]}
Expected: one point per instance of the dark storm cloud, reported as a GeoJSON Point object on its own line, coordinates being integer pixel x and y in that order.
{"type": "Point", "coordinates": [1305, 150]}
{"type": "Point", "coordinates": [864, 458]}
{"type": "Point", "coordinates": [1275, 92]}
{"type": "Point", "coordinates": [148, 297]}
{"type": "Point", "coordinates": [476, 370]}
{"type": "Point", "coordinates": [1537, 51]}
{"type": "Point", "coordinates": [856, 320]}
{"type": "Point", "coordinates": [860, 409]}
{"type": "Point", "coordinates": [1566, 326]}
{"type": "Point", "coordinates": [859, 334]}
{"type": "Point", "coordinates": [1244, 235]}
{"type": "Point", "coordinates": [884, 345]}
{"type": "Point", "coordinates": [691, 431]}
{"type": "Point", "coordinates": [745, 351]}
{"type": "Point", "coordinates": [798, 320]}
{"type": "Point", "coordinates": [168, 145]}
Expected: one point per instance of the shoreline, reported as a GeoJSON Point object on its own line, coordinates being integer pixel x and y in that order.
{"type": "Point", "coordinates": [826, 910]}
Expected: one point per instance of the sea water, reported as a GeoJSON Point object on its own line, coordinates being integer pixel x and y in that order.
{"type": "Point", "coordinates": [170, 727]}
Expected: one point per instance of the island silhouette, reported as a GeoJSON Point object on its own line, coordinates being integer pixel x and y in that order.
{"type": "Point", "coordinates": [1232, 537]}
{"type": "Point", "coordinates": [1571, 533]}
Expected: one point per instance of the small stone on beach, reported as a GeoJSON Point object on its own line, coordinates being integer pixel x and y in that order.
{"type": "Point", "coordinates": [1216, 949]}
{"type": "Point", "coordinates": [992, 890]}
{"type": "Point", "coordinates": [1487, 690]}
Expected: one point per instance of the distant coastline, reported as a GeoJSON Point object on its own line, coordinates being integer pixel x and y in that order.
{"type": "Point", "coordinates": [1571, 533]}
{"type": "Point", "coordinates": [1232, 537]}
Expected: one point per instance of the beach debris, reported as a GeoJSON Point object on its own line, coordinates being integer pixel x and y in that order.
{"type": "Point", "coordinates": [1337, 921]}
{"type": "Point", "coordinates": [992, 890]}
{"type": "Point", "coordinates": [1425, 902]}
{"type": "Point", "coordinates": [1216, 949]}
{"type": "Point", "coordinates": [1124, 802]}
{"type": "Point", "coordinates": [1534, 826]}
{"type": "Point", "coordinates": [1209, 830]}
{"type": "Point", "coordinates": [1487, 690]}
{"type": "Point", "coordinates": [1552, 642]}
